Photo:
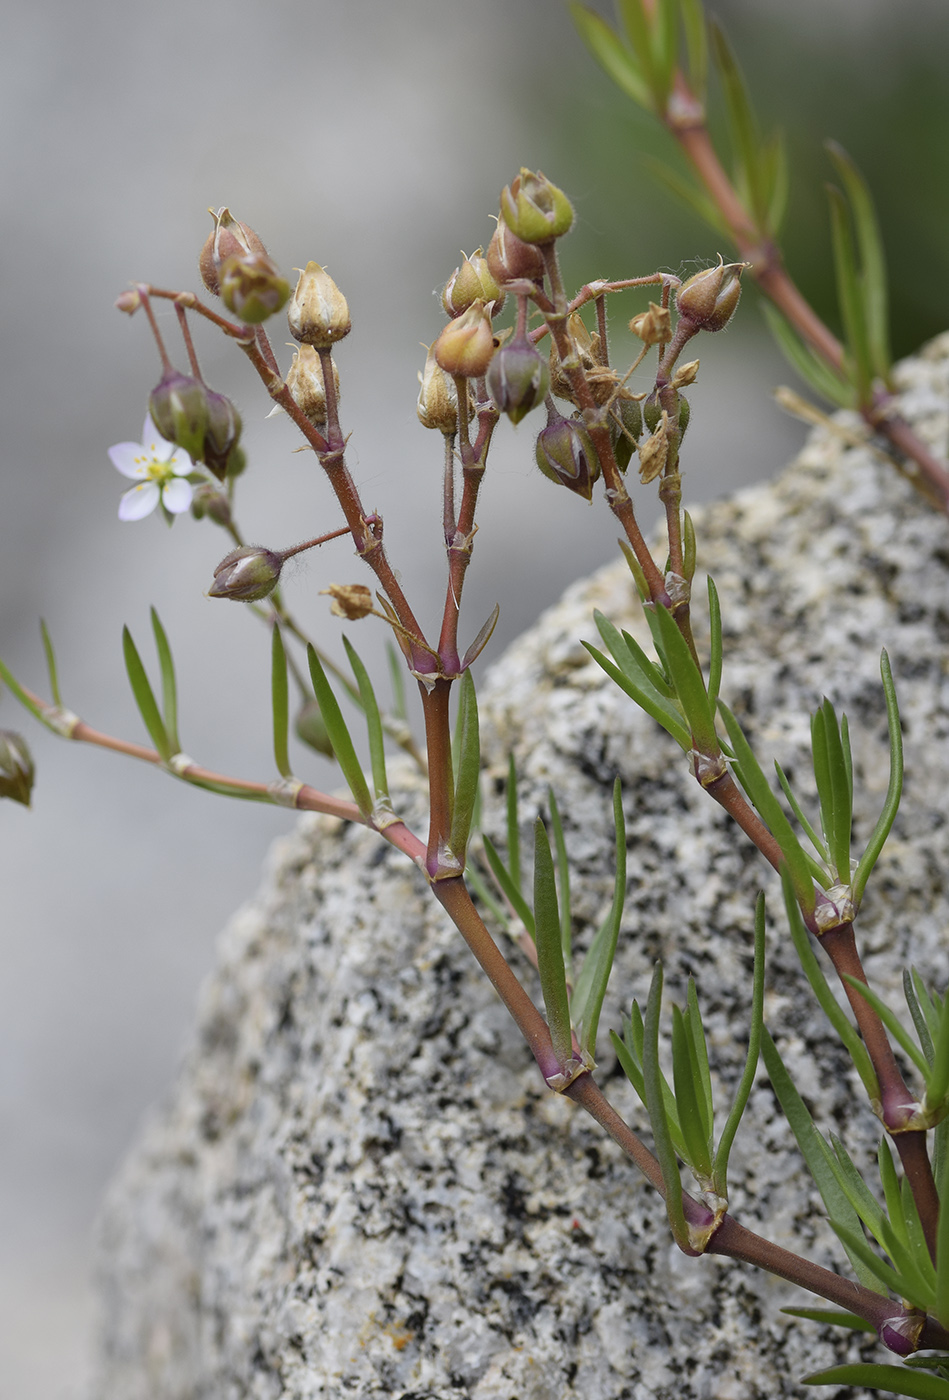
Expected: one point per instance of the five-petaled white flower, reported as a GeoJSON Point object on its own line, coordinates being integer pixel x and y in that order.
{"type": "Point", "coordinates": [159, 468]}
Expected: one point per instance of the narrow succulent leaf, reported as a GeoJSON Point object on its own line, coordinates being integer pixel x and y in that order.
{"type": "Point", "coordinates": [799, 813]}
{"type": "Point", "coordinates": [689, 552]}
{"type": "Point", "coordinates": [715, 645]}
{"type": "Point", "coordinates": [847, 755]}
{"type": "Point", "coordinates": [144, 697]}
{"type": "Point", "coordinates": [941, 1290]}
{"type": "Point", "coordinates": [816, 1154]}
{"type": "Point", "coordinates": [937, 1086]}
{"type": "Point", "coordinates": [51, 665]}
{"type": "Point", "coordinates": [169, 689]}
{"type": "Point", "coordinates": [919, 1250]}
{"type": "Point", "coordinates": [693, 1020]}
{"type": "Point", "coordinates": [895, 1280]}
{"type": "Point", "coordinates": [919, 1018]}
{"type": "Point", "coordinates": [377, 748]}
{"type": "Point", "coordinates": [563, 880]}
{"type": "Point", "coordinates": [639, 578]}
{"type": "Point", "coordinates": [508, 888]}
{"type": "Point", "coordinates": [655, 1106]}
{"type": "Point", "coordinates": [690, 687]}
{"type": "Point", "coordinates": [654, 705]}
{"type": "Point", "coordinates": [743, 128]}
{"type": "Point", "coordinates": [397, 681]}
{"type": "Point", "coordinates": [513, 825]}
{"type": "Point", "coordinates": [228, 790]}
{"type": "Point", "coordinates": [756, 786]}
{"type": "Point", "coordinates": [774, 159]}
{"type": "Point", "coordinates": [742, 1093]}
{"type": "Point", "coordinates": [634, 1031]}
{"type": "Point", "coordinates": [550, 964]}
{"type": "Point", "coordinates": [696, 45]}
{"type": "Point", "coordinates": [850, 295]}
{"type": "Point", "coordinates": [828, 1002]}
{"type": "Point", "coordinates": [896, 1380]}
{"type": "Point", "coordinates": [891, 1188]}
{"type": "Point", "coordinates": [820, 761]}
{"type": "Point", "coordinates": [15, 689]}
{"type": "Point", "coordinates": [665, 47]}
{"type": "Point", "coordinates": [632, 1068]}
{"type": "Point", "coordinates": [611, 53]}
{"type": "Point", "coordinates": [894, 789]}
{"type": "Point", "coordinates": [598, 964]}
{"type": "Point", "coordinates": [631, 659]}
{"type": "Point", "coordinates": [893, 1024]}
{"type": "Point", "coordinates": [840, 774]}
{"type": "Point", "coordinates": [872, 259]}
{"type": "Point", "coordinates": [832, 1317]}
{"type": "Point", "coordinates": [477, 882]}
{"type": "Point", "coordinates": [941, 1156]}
{"type": "Point", "coordinates": [822, 379]}
{"type": "Point", "coordinates": [688, 193]}
{"type": "Point", "coordinates": [468, 767]}
{"type": "Point", "coordinates": [930, 1005]}
{"type": "Point", "coordinates": [482, 639]}
{"type": "Point", "coordinates": [687, 1092]}
{"type": "Point", "coordinates": [281, 704]}
{"type": "Point", "coordinates": [856, 1189]}
{"type": "Point", "coordinates": [339, 735]}
{"type": "Point", "coordinates": [632, 14]}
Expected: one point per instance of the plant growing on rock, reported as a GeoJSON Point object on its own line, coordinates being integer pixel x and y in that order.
{"type": "Point", "coordinates": [554, 356]}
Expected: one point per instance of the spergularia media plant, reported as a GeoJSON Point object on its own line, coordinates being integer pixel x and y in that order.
{"type": "Point", "coordinates": [517, 343]}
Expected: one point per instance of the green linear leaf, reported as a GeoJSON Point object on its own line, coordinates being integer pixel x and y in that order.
{"type": "Point", "coordinates": [280, 696]}
{"type": "Point", "coordinates": [508, 887]}
{"type": "Point", "coordinates": [590, 992]}
{"type": "Point", "coordinates": [808, 364]}
{"type": "Point", "coordinates": [655, 1107]}
{"type": "Point", "coordinates": [632, 1068]}
{"type": "Point", "coordinates": [696, 44]}
{"type": "Point", "coordinates": [723, 1150]}
{"type": "Point", "coordinates": [51, 665]}
{"type": "Point", "coordinates": [688, 546]}
{"type": "Point", "coordinates": [550, 963]}
{"type": "Point", "coordinates": [799, 813]}
{"type": "Point", "coordinates": [611, 54]}
{"type": "Point", "coordinates": [693, 1020]}
{"type": "Point", "coordinates": [513, 826]}
{"type": "Point", "coordinates": [938, 1085]}
{"type": "Point", "coordinates": [632, 13]}
{"type": "Point", "coordinates": [850, 295]}
{"type": "Point", "coordinates": [892, 1279]}
{"type": "Point", "coordinates": [893, 1024]}
{"type": "Point", "coordinates": [918, 1248]}
{"type": "Point", "coordinates": [774, 160]}
{"type": "Point", "coordinates": [841, 792]}
{"type": "Point", "coordinates": [665, 47]}
{"type": "Point", "coordinates": [690, 687]}
{"type": "Point", "coordinates": [898, 1380]}
{"type": "Point", "coordinates": [169, 689]}
{"type": "Point", "coordinates": [397, 681]}
{"type": "Point", "coordinates": [715, 644]}
{"type": "Point", "coordinates": [816, 1154]}
{"type": "Point", "coordinates": [941, 1291]}
{"type": "Point", "coordinates": [654, 705]}
{"type": "Point", "coordinates": [563, 880]}
{"type": "Point", "coordinates": [687, 1092]}
{"type": "Point", "coordinates": [826, 1000]}
{"type": "Point", "coordinates": [833, 1318]}
{"type": "Point", "coordinates": [743, 128]}
{"type": "Point", "coordinates": [13, 685]}
{"type": "Point", "coordinates": [919, 1018]}
{"type": "Point", "coordinates": [468, 766]}
{"type": "Point", "coordinates": [857, 1191]}
{"type": "Point", "coordinates": [144, 697]}
{"type": "Point", "coordinates": [377, 745]}
{"type": "Point", "coordinates": [691, 195]}
{"type": "Point", "coordinates": [339, 735]}
{"type": "Point", "coordinates": [872, 259]}
{"type": "Point", "coordinates": [894, 789]}
{"type": "Point", "coordinates": [631, 659]}
{"type": "Point", "coordinates": [480, 886]}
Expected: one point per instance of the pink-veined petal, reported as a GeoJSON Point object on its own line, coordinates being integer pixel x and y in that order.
{"type": "Point", "coordinates": [139, 502]}
{"type": "Point", "coordinates": [128, 458]}
{"type": "Point", "coordinates": [176, 496]}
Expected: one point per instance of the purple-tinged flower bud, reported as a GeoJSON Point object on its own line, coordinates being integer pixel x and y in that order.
{"type": "Point", "coordinates": [178, 405]}
{"type": "Point", "coordinates": [247, 574]}
{"type": "Point", "coordinates": [510, 259]}
{"type": "Point", "coordinates": [129, 302]}
{"type": "Point", "coordinates": [466, 345]}
{"type": "Point", "coordinates": [310, 727]}
{"type": "Point", "coordinates": [223, 434]}
{"type": "Point", "coordinates": [437, 400]}
{"type": "Point", "coordinates": [228, 239]}
{"type": "Point", "coordinates": [211, 502]}
{"type": "Point", "coordinates": [470, 282]}
{"type": "Point", "coordinates": [350, 600]}
{"type": "Point", "coordinates": [534, 209]}
{"type": "Point", "coordinates": [17, 772]}
{"type": "Point", "coordinates": [252, 287]}
{"type": "Point", "coordinates": [709, 298]}
{"type": "Point", "coordinates": [318, 313]}
{"type": "Point", "coordinates": [518, 378]}
{"type": "Point", "coordinates": [565, 453]}
{"type": "Point", "coordinates": [307, 385]}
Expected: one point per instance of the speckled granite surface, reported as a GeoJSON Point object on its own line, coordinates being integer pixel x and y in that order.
{"type": "Point", "coordinates": [359, 1186]}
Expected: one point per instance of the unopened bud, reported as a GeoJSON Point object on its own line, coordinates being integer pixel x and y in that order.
{"type": "Point", "coordinates": [247, 574]}
{"type": "Point", "coordinates": [534, 209]}
{"type": "Point", "coordinates": [510, 259]}
{"type": "Point", "coordinates": [252, 287]}
{"type": "Point", "coordinates": [437, 400]}
{"type": "Point", "coordinates": [311, 728]}
{"type": "Point", "coordinates": [565, 453]}
{"type": "Point", "coordinates": [709, 298]}
{"type": "Point", "coordinates": [228, 239]}
{"type": "Point", "coordinates": [466, 345]}
{"type": "Point", "coordinates": [307, 385]}
{"type": "Point", "coordinates": [222, 436]}
{"type": "Point", "coordinates": [129, 302]}
{"type": "Point", "coordinates": [350, 600]}
{"type": "Point", "coordinates": [685, 374]}
{"type": "Point", "coordinates": [469, 282]}
{"type": "Point", "coordinates": [318, 313]}
{"type": "Point", "coordinates": [518, 378]}
{"type": "Point", "coordinates": [17, 772]}
{"type": "Point", "coordinates": [652, 326]}
{"type": "Point", "coordinates": [211, 502]}
{"type": "Point", "coordinates": [178, 405]}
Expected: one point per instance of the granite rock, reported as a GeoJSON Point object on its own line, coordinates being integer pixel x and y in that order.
{"type": "Point", "coordinates": [359, 1186]}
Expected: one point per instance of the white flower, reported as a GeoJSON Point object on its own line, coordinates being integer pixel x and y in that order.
{"type": "Point", "coordinates": [158, 467]}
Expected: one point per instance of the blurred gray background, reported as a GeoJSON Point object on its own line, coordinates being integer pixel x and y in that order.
{"type": "Point", "coordinates": [374, 138]}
